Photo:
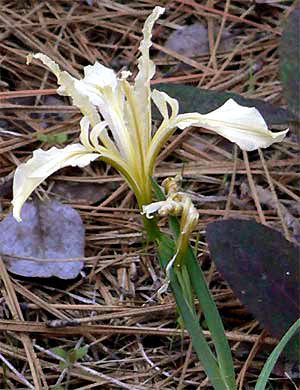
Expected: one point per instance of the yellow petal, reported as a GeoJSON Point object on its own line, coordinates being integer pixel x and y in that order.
{"type": "Point", "coordinates": [43, 163]}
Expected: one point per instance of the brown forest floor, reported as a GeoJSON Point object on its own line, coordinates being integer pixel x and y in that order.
{"type": "Point", "coordinates": [134, 339]}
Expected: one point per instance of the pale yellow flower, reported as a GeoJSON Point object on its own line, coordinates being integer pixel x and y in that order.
{"type": "Point", "coordinates": [117, 125]}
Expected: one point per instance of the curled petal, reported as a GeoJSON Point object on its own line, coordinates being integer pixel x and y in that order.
{"type": "Point", "coordinates": [90, 92]}
{"type": "Point", "coordinates": [84, 134]}
{"type": "Point", "coordinates": [161, 100]}
{"type": "Point", "coordinates": [125, 74]}
{"type": "Point", "coordinates": [43, 163]}
{"type": "Point", "coordinates": [96, 133]}
{"type": "Point", "coordinates": [46, 61]}
{"type": "Point", "coordinates": [163, 208]}
{"type": "Point", "coordinates": [145, 64]}
{"type": "Point", "coordinates": [243, 125]}
{"type": "Point", "coordinates": [189, 217]}
{"type": "Point", "coordinates": [152, 208]}
{"type": "Point", "coordinates": [67, 87]}
{"type": "Point", "coordinates": [171, 207]}
{"type": "Point", "coordinates": [167, 127]}
{"type": "Point", "coordinates": [79, 99]}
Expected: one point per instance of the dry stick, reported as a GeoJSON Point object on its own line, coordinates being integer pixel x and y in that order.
{"type": "Point", "coordinates": [151, 364]}
{"type": "Point", "coordinates": [16, 372]}
{"type": "Point", "coordinates": [15, 309]}
{"type": "Point", "coordinates": [250, 357]}
{"type": "Point", "coordinates": [177, 79]}
{"type": "Point", "coordinates": [212, 58]}
{"type": "Point", "coordinates": [182, 58]}
{"type": "Point", "coordinates": [286, 190]}
{"type": "Point", "coordinates": [55, 47]}
{"type": "Point", "coordinates": [170, 377]}
{"type": "Point", "coordinates": [25, 93]}
{"type": "Point", "coordinates": [276, 200]}
{"type": "Point", "coordinates": [185, 366]}
{"type": "Point", "coordinates": [211, 40]}
{"type": "Point", "coordinates": [234, 18]}
{"type": "Point", "coordinates": [65, 330]}
{"type": "Point", "coordinates": [226, 63]}
{"type": "Point", "coordinates": [232, 182]}
{"type": "Point", "coordinates": [90, 371]}
{"type": "Point", "coordinates": [40, 302]}
{"type": "Point", "coordinates": [253, 189]}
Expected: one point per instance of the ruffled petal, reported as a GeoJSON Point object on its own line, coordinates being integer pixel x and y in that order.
{"type": "Point", "coordinates": [31, 174]}
{"type": "Point", "coordinates": [146, 72]}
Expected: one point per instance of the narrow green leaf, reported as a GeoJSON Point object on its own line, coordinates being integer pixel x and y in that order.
{"type": "Point", "coordinates": [270, 363]}
{"type": "Point", "coordinates": [213, 320]}
{"type": "Point", "coordinates": [190, 319]}
{"type": "Point", "coordinates": [166, 252]}
{"type": "Point", "coordinates": [211, 313]}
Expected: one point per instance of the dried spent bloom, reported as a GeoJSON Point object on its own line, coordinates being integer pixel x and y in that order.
{"type": "Point", "coordinates": [176, 204]}
{"type": "Point", "coordinates": [117, 125]}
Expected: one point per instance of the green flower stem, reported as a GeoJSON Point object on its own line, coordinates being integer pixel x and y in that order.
{"type": "Point", "coordinates": [166, 250]}
{"type": "Point", "coordinates": [213, 320]}
{"type": "Point", "coordinates": [185, 284]}
{"type": "Point", "coordinates": [185, 305]}
{"type": "Point", "coordinates": [210, 311]}
{"type": "Point", "coordinates": [215, 325]}
{"type": "Point", "coordinates": [151, 228]}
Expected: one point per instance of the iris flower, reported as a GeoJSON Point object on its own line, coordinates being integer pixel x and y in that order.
{"type": "Point", "coordinates": [117, 125]}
